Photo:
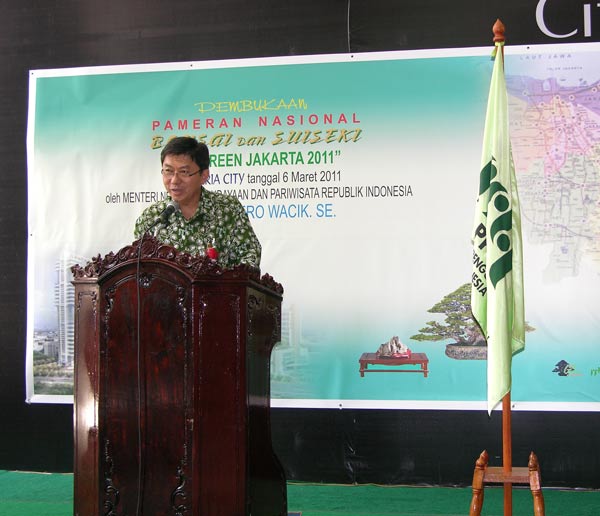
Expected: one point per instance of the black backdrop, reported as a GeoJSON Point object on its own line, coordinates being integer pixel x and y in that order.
{"type": "Point", "coordinates": [382, 446]}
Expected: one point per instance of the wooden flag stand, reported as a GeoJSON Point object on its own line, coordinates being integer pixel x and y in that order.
{"type": "Point", "coordinates": [506, 474]}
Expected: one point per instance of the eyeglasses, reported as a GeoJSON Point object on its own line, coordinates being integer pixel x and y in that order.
{"type": "Point", "coordinates": [169, 173]}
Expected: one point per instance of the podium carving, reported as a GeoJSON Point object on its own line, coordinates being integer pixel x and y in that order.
{"type": "Point", "coordinates": [172, 386]}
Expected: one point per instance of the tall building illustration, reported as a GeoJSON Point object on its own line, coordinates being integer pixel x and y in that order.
{"type": "Point", "coordinates": [289, 327]}
{"type": "Point", "coordinates": [64, 299]}
{"type": "Point", "coordinates": [289, 353]}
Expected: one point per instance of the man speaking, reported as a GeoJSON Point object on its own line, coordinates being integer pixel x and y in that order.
{"type": "Point", "coordinates": [193, 219]}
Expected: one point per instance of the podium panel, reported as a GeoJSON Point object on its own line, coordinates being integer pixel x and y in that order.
{"type": "Point", "coordinates": [172, 386]}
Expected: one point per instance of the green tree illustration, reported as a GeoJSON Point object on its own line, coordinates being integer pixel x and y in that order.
{"type": "Point", "coordinates": [459, 324]}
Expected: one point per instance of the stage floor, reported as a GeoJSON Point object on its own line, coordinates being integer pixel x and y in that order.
{"type": "Point", "coordinates": [42, 494]}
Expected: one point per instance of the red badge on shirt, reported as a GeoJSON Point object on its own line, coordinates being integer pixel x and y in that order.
{"type": "Point", "coordinates": [212, 253]}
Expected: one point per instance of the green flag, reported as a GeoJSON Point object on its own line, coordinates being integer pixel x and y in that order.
{"type": "Point", "coordinates": [497, 281]}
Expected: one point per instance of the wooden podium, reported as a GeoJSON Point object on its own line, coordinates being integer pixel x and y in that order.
{"type": "Point", "coordinates": [172, 386]}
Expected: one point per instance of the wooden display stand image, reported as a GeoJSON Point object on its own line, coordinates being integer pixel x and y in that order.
{"type": "Point", "coordinates": [172, 386]}
{"type": "Point", "coordinates": [414, 359]}
{"type": "Point", "coordinates": [529, 475]}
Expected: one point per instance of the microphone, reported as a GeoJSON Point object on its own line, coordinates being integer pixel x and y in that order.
{"type": "Point", "coordinates": [163, 217]}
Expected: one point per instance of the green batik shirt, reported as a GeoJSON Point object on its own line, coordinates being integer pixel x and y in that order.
{"type": "Point", "coordinates": [220, 222]}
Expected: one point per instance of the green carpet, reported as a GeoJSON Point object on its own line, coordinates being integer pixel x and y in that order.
{"type": "Point", "coordinates": [39, 494]}
{"type": "Point", "coordinates": [371, 500]}
{"type": "Point", "coordinates": [35, 494]}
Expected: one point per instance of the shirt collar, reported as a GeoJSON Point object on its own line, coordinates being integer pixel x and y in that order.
{"type": "Point", "coordinates": [204, 206]}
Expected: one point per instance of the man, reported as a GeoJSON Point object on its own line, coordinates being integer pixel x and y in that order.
{"type": "Point", "coordinates": [204, 220]}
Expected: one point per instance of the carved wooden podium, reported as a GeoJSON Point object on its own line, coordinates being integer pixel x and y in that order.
{"type": "Point", "coordinates": [172, 413]}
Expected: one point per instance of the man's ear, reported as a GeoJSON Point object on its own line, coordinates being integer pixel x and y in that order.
{"type": "Point", "coordinates": [204, 175]}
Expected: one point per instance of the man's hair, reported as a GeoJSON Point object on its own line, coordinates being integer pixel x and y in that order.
{"type": "Point", "coordinates": [184, 145]}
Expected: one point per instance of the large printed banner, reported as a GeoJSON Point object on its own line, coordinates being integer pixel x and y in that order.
{"type": "Point", "coordinates": [359, 174]}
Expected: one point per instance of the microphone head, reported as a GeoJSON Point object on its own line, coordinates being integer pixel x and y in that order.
{"type": "Point", "coordinates": [172, 207]}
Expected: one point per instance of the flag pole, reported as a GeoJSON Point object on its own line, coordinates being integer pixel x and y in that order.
{"type": "Point", "coordinates": [499, 30]}
{"type": "Point", "coordinates": [507, 452]}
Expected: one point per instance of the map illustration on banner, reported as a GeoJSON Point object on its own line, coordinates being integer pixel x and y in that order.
{"type": "Point", "coordinates": [358, 175]}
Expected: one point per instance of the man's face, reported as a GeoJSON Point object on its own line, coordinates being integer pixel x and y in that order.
{"type": "Point", "coordinates": [183, 189]}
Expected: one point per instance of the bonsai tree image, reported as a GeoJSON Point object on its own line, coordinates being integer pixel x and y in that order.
{"type": "Point", "coordinates": [459, 326]}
